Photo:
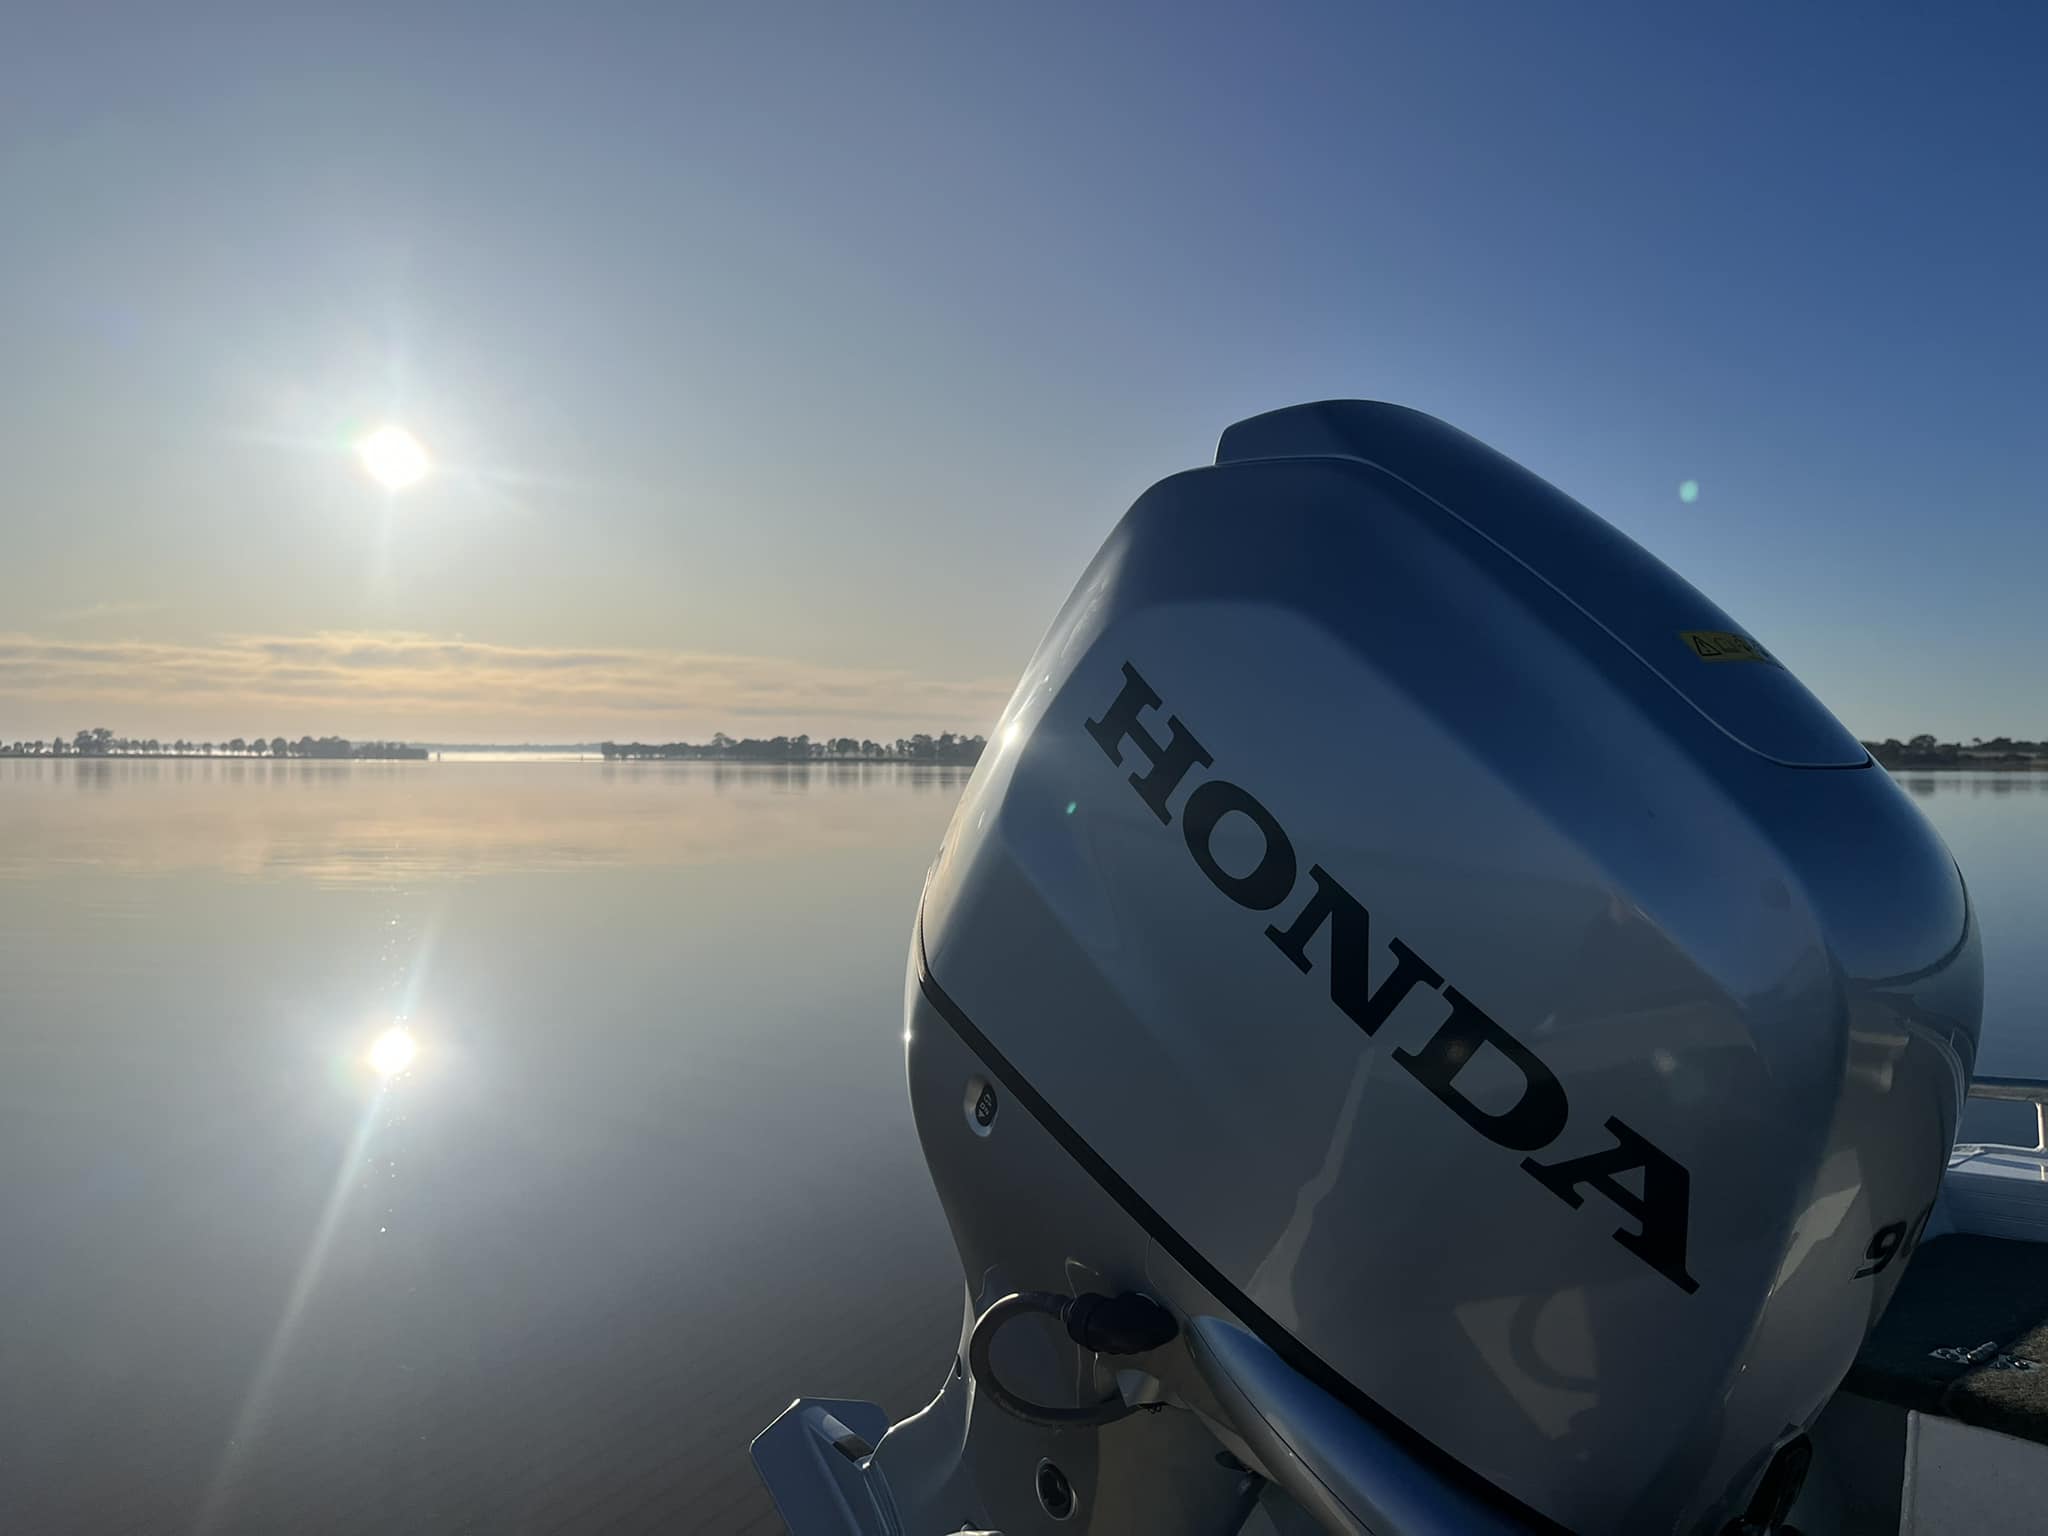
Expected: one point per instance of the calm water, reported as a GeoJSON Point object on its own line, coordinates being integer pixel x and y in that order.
{"type": "Point", "coordinates": [652, 1175]}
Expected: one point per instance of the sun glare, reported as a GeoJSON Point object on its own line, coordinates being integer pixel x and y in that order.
{"type": "Point", "coordinates": [393, 1051]}
{"type": "Point", "coordinates": [393, 457]}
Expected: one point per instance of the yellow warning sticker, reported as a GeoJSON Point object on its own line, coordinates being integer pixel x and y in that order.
{"type": "Point", "coordinates": [1719, 645]}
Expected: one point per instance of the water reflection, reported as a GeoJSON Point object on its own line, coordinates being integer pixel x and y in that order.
{"type": "Point", "coordinates": [1996, 825]}
{"type": "Point", "coordinates": [1926, 785]}
{"type": "Point", "coordinates": [349, 823]}
{"type": "Point", "coordinates": [393, 1051]}
{"type": "Point", "coordinates": [257, 1409]}
{"type": "Point", "coordinates": [648, 1172]}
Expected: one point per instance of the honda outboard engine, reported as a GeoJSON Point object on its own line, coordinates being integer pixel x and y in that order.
{"type": "Point", "coordinates": [1420, 1023]}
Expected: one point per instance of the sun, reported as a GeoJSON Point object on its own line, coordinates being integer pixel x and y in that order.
{"type": "Point", "coordinates": [393, 1051]}
{"type": "Point", "coordinates": [393, 457]}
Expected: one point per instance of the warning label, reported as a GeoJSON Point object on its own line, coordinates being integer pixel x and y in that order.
{"type": "Point", "coordinates": [1719, 645]}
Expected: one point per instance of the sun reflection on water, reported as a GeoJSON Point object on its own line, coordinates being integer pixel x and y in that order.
{"type": "Point", "coordinates": [393, 1051]}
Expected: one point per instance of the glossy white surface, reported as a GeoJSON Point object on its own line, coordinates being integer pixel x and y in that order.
{"type": "Point", "coordinates": [1963, 1481]}
{"type": "Point", "coordinates": [1767, 972]}
{"type": "Point", "coordinates": [1997, 1192]}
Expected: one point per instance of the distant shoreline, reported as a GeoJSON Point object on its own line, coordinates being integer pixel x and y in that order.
{"type": "Point", "coordinates": [1942, 759]}
{"type": "Point", "coordinates": [503, 754]}
{"type": "Point", "coordinates": [489, 755]}
{"type": "Point", "coordinates": [407, 755]}
{"type": "Point", "coordinates": [97, 743]}
{"type": "Point", "coordinates": [1995, 754]}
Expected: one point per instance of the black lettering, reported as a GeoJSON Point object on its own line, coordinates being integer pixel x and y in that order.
{"type": "Point", "coordinates": [1350, 944]}
{"type": "Point", "coordinates": [1170, 763]}
{"type": "Point", "coordinates": [1268, 884]}
{"type": "Point", "coordinates": [1885, 1243]}
{"type": "Point", "coordinates": [1664, 1213]}
{"type": "Point", "coordinates": [1919, 1226]}
{"type": "Point", "coordinates": [1538, 1116]}
{"type": "Point", "coordinates": [1540, 1111]}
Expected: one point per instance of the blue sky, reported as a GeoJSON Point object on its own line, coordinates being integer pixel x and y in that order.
{"type": "Point", "coordinates": [785, 364]}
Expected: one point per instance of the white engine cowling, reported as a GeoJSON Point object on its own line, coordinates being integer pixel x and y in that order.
{"type": "Point", "coordinates": [1481, 971]}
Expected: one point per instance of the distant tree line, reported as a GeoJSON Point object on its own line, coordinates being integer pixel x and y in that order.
{"type": "Point", "coordinates": [945, 748]}
{"type": "Point", "coordinates": [101, 742]}
{"type": "Point", "coordinates": [1925, 752]}
{"type": "Point", "coordinates": [1922, 751]}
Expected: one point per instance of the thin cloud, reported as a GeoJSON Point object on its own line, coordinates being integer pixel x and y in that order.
{"type": "Point", "coordinates": [370, 684]}
{"type": "Point", "coordinates": [101, 611]}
